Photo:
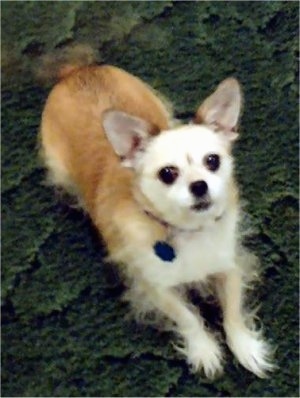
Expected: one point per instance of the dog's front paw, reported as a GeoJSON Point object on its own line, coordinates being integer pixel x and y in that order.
{"type": "Point", "coordinates": [251, 351]}
{"type": "Point", "coordinates": [203, 354]}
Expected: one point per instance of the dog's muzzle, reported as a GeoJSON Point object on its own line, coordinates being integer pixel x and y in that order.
{"type": "Point", "coordinates": [202, 205]}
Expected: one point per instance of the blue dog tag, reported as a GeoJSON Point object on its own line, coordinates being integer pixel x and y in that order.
{"type": "Point", "coordinates": [164, 251]}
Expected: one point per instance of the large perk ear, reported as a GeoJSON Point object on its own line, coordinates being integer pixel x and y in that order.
{"type": "Point", "coordinates": [127, 134]}
{"type": "Point", "coordinates": [221, 110]}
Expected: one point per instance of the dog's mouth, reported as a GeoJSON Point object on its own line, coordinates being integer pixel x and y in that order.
{"type": "Point", "coordinates": [202, 205]}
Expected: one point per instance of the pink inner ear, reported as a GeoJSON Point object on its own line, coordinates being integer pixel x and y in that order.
{"type": "Point", "coordinates": [135, 145]}
{"type": "Point", "coordinates": [219, 127]}
{"type": "Point", "coordinates": [136, 142]}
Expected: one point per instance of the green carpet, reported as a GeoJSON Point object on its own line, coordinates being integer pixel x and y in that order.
{"type": "Point", "coordinates": [65, 330]}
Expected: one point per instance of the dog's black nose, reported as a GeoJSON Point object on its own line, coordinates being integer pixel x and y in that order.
{"type": "Point", "coordinates": [198, 188]}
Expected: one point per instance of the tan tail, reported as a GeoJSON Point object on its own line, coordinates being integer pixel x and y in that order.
{"type": "Point", "coordinates": [62, 62]}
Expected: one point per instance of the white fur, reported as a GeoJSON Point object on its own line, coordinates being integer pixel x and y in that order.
{"type": "Point", "coordinates": [250, 349]}
{"type": "Point", "coordinates": [196, 256]}
{"type": "Point", "coordinates": [202, 351]}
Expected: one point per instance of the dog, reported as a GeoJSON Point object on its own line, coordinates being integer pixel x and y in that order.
{"type": "Point", "coordinates": [162, 195]}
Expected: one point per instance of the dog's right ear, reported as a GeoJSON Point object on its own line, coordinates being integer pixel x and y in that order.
{"type": "Point", "coordinates": [127, 134]}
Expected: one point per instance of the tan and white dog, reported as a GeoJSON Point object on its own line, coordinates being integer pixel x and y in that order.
{"type": "Point", "coordinates": [164, 198]}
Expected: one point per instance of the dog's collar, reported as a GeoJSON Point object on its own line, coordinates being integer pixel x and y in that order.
{"type": "Point", "coordinates": [159, 220]}
{"type": "Point", "coordinates": [173, 227]}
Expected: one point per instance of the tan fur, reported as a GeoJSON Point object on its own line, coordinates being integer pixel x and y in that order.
{"type": "Point", "coordinates": [78, 153]}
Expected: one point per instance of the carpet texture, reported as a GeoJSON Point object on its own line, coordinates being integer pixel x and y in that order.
{"type": "Point", "coordinates": [65, 330]}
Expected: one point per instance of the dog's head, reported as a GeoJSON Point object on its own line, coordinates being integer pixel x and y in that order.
{"type": "Point", "coordinates": [183, 175]}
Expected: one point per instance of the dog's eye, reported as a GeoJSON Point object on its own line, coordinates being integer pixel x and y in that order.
{"type": "Point", "coordinates": [212, 162]}
{"type": "Point", "coordinates": [168, 174]}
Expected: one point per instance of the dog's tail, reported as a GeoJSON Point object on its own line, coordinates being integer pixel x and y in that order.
{"type": "Point", "coordinates": [60, 63]}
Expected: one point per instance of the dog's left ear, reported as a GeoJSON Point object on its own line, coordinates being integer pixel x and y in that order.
{"type": "Point", "coordinates": [127, 134]}
{"type": "Point", "coordinates": [221, 110]}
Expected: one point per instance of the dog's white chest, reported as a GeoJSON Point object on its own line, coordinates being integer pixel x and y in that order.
{"type": "Point", "coordinates": [201, 254]}
{"type": "Point", "coordinates": [197, 256]}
